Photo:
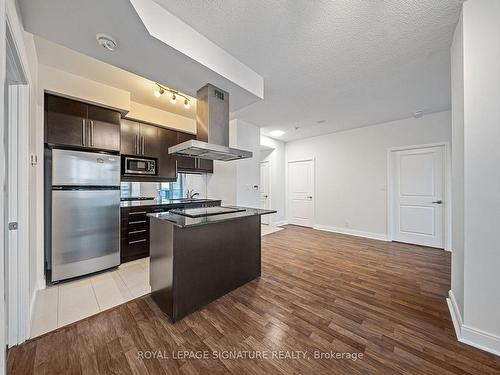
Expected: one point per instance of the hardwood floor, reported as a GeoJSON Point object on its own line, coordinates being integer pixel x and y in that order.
{"type": "Point", "coordinates": [319, 292]}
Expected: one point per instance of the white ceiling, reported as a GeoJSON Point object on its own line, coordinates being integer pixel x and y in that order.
{"type": "Point", "coordinates": [141, 89]}
{"type": "Point", "coordinates": [74, 24]}
{"type": "Point", "coordinates": [350, 63]}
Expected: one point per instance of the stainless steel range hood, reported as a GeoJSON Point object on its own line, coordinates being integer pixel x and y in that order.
{"type": "Point", "coordinates": [212, 129]}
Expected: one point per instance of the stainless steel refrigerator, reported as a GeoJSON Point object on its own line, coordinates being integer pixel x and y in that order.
{"type": "Point", "coordinates": [85, 226]}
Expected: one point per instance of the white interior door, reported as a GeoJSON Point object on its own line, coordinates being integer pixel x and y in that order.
{"type": "Point", "coordinates": [418, 193]}
{"type": "Point", "coordinates": [301, 192]}
{"type": "Point", "coordinates": [265, 196]}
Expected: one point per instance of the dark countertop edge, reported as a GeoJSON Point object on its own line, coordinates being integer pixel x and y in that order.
{"type": "Point", "coordinates": [126, 204]}
{"type": "Point", "coordinates": [162, 216]}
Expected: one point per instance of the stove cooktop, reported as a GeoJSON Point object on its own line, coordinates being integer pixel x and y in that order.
{"type": "Point", "coordinates": [129, 199]}
{"type": "Point", "coordinates": [206, 211]}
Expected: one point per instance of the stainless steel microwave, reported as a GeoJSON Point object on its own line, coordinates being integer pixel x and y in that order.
{"type": "Point", "coordinates": [139, 166]}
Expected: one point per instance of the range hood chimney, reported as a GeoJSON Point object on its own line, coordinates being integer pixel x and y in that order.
{"type": "Point", "coordinates": [212, 129]}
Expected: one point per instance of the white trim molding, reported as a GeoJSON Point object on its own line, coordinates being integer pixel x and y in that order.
{"type": "Point", "coordinates": [280, 223]}
{"type": "Point", "coordinates": [469, 335]}
{"type": "Point", "coordinates": [456, 317]}
{"type": "Point", "coordinates": [447, 189]}
{"type": "Point", "coordinates": [352, 232]}
{"type": "Point", "coordinates": [287, 187]}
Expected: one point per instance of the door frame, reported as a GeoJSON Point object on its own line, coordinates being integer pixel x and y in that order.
{"type": "Point", "coordinates": [19, 107]}
{"type": "Point", "coordinates": [269, 196]}
{"type": "Point", "coordinates": [446, 189]}
{"type": "Point", "coordinates": [287, 187]}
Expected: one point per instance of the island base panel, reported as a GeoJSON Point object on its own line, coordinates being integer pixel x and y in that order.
{"type": "Point", "coordinates": [208, 261]}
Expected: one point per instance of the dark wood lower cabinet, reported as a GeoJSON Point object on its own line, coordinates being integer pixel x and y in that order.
{"type": "Point", "coordinates": [134, 236]}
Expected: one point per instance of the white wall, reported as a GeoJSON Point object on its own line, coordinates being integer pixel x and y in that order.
{"type": "Point", "coordinates": [276, 158]}
{"type": "Point", "coordinates": [481, 169]}
{"type": "Point", "coordinates": [457, 162]}
{"type": "Point", "coordinates": [73, 86]}
{"type": "Point", "coordinates": [248, 170]}
{"type": "Point", "coordinates": [233, 181]}
{"type": "Point", "coordinates": [222, 183]}
{"type": "Point", "coordinates": [351, 170]}
{"type": "Point", "coordinates": [141, 112]}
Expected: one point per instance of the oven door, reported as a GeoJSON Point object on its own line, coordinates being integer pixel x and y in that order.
{"type": "Point", "coordinates": [140, 166]}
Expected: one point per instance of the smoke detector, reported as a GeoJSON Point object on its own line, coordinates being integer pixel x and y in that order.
{"type": "Point", "coordinates": [106, 41]}
{"type": "Point", "coordinates": [418, 114]}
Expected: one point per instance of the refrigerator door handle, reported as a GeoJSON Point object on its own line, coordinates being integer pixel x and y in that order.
{"type": "Point", "coordinates": [83, 132]}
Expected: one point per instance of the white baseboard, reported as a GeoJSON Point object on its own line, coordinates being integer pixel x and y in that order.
{"type": "Point", "coordinates": [352, 232]}
{"type": "Point", "coordinates": [32, 310]}
{"type": "Point", "coordinates": [280, 223]}
{"type": "Point", "coordinates": [456, 317]}
{"type": "Point", "coordinates": [471, 336]}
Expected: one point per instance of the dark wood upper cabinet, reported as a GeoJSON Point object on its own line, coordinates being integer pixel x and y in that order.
{"type": "Point", "coordinates": [74, 124]}
{"type": "Point", "coordinates": [185, 163]}
{"type": "Point", "coordinates": [139, 139]}
{"type": "Point", "coordinates": [104, 128]}
{"type": "Point", "coordinates": [149, 141]}
{"type": "Point", "coordinates": [130, 137]}
{"type": "Point", "coordinates": [192, 165]}
{"type": "Point", "coordinates": [65, 122]}
{"type": "Point", "coordinates": [168, 165]}
{"type": "Point", "coordinates": [205, 165]}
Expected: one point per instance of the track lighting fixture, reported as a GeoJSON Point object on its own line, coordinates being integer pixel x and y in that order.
{"type": "Point", "coordinates": [174, 93]}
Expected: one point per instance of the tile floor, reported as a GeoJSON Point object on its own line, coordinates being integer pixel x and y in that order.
{"type": "Point", "coordinates": [60, 305]}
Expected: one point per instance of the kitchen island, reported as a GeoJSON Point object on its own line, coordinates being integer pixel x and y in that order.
{"type": "Point", "coordinates": [198, 255]}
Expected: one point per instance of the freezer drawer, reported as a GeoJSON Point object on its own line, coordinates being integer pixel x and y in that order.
{"type": "Point", "coordinates": [77, 168]}
{"type": "Point", "coordinates": [85, 232]}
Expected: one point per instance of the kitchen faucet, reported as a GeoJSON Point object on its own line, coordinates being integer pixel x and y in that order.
{"type": "Point", "coordinates": [191, 194]}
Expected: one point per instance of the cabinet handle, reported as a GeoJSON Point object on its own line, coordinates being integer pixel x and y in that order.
{"type": "Point", "coordinates": [137, 213]}
{"type": "Point", "coordinates": [132, 242]}
{"type": "Point", "coordinates": [137, 231]}
{"type": "Point", "coordinates": [83, 132]}
{"type": "Point", "coordinates": [137, 222]}
{"type": "Point", "coordinates": [143, 145]}
{"type": "Point", "coordinates": [92, 132]}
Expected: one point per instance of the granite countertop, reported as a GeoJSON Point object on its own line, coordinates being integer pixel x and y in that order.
{"type": "Point", "coordinates": [186, 222]}
{"type": "Point", "coordinates": [161, 202]}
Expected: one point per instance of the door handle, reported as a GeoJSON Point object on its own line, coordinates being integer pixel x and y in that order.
{"type": "Point", "coordinates": [138, 241]}
{"type": "Point", "coordinates": [137, 231]}
{"type": "Point", "coordinates": [137, 222]}
{"type": "Point", "coordinates": [438, 202]}
{"type": "Point", "coordinates": [83, 132]}
{"type": "Point", "coordinates": [91, 133]}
